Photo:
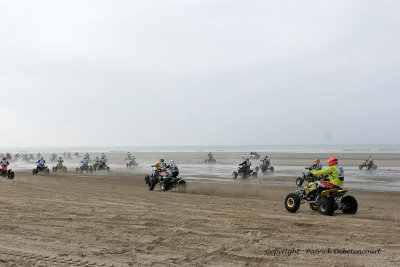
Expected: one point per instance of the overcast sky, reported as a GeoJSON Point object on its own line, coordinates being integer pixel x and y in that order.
{"type": "Point", "coordinates": [116, 73]}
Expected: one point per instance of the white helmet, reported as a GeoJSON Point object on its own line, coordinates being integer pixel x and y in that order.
{"type": "Point", "coordinates": [171, 161]}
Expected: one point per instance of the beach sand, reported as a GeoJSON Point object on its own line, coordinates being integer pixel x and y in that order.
{"type": "Point", "coordinates": [113, 219]}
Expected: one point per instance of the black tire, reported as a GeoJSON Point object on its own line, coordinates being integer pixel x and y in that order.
{"type": "Point", "coordinates": [234, 175]}
{"type": "Point", "coordinates": [182, 185]}
{"type": "Point", "coordinates": [127, 165]}
{"type": "Point", "coordinates": [163, 186]}
{"type": "Point", "coordinates": [314, 206]}
{"type": "Point", "coordinates": [254, 174]}
{"type": "Point", "coordinates": [360, 167]}
{"type": "Point", "coordinates": [11, 175]}
{"type": "Point", "coordinates": [350, 205]}
{"type": "Point", "coordinates": [152, 183]}
{"type": "Point", "coordinates": [34, 172]}
{"type": "Point", "coordinates": [146, 179]}
{"type": "Point", "coordinates": [77, 169]}
{"type": "Point", "coordinates": [292, 202]}
{"type": "Point", "coordinates": [46, 171]}
{"type": "Point", "coordinates": [326, 206]}
{"type": "Point", "coordinates": [271, 169]}
{"type": "Point", "coordinates": [299, 181]}
{"type": "Point", "coordinates": [108, 169]}
{"type": "Point", "coordinates": [375, 167]}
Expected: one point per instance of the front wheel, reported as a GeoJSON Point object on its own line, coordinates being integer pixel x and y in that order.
{"type": "Point", "coordinates": [11, 175]}
{"type": "Point", "coordinates": [271, 169]}
{"type": "Point", "coordinates": [163, 186]}
{"type": "Point", "coordinates": [360, 167]}
{"type": "Point", "coordinates": [146, 179]}
{"type": "Point", "coordinates": [326, 206]}
{"type": "Point", "coordinates": [152, 183]}
{"type": "Point", "coordinates": [350, 205]}
{"type": "Point", "coordinates": [234, 175]}
{"type": "Point", "coordinates": [299, 181]}
{"type": "Point", "coordinates": [254, 174]}
{"type": "Point", "coordinates": [292, 202]}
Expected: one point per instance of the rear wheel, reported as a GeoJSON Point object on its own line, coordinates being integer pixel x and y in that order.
{"type": "Point", "coordinates": [292, 202]}
{"type": "Point", "coordinates": [350, 205]}
{"type": "Point", "coordinates": [326, 206]}
{"type": "Point", "coordinates": [299, 181]}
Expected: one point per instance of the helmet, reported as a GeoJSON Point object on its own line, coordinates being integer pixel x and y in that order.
{"type": "Point", "coordinates": [171, 161]}
{"type": "Point", "coordinates": [41, 158]}
{"type": "Point", "coordinates": [333, 161]}
{"type": "Point", "coordinates": [4, 158]}
{"type": "Point", "coordinates": [247, 159]}
{"type": "Point", "coordinates": [317, 161]}
{"type": "Point", "coordinates": [161, 160]}
{"type": "Point", "coordinates": [59, 157]}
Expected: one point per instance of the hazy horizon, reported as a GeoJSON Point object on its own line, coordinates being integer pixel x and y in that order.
{"type": "Point", "coordinates": [186, 73]}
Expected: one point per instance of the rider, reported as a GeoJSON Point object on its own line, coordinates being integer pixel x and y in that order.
{"type": "Point", "coordinates": [210, 155]}
{"type": "Point", "coordinates": [336, 175]}
{"type": "Point", "coordinates": [60, 161]}
{"type": "Point", "coordinates": [317, 165]}
{"type": "Point", "coordinates": [266, 160]}
{"type": "Point", "coordinates": [85, 162]}
{"type": "Point", "coordinates": [4, 163]}
{"type": "Point", "coordinates": [41, 163]}
{"type": "Point", "coordinates": [173, 170]}
{"type": "Point", "coordinates": [129, 155]}
{"type": "Point", "coordinates": [369, 160]}
{"type": "Point", "coordinates": [245, 165]}
{"type": "Point", "coordinates": [160, 165]}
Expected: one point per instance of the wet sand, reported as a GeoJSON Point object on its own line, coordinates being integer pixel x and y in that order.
{"type": "Point", "coordinates": [113, 219]}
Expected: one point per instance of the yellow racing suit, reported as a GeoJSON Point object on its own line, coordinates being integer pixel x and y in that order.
{"type": "Point", "coordinates": [333, 172]}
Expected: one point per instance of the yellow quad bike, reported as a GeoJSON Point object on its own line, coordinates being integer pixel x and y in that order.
{"type": "Point", "coordinates": [322, 196]}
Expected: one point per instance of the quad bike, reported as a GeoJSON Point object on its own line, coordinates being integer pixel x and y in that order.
{"type": "Point", "coordinates": [60, 167]}
{"type": "Point", "coordinates": [7, 173]}
{"type": "Point", "coordinates": [266, 167]}
{"type": "Point", "coordinates": [155, 178]}
{"type": "Point", "coordinates": [102, 166]}
{"type": "Point", "coordinates": [166, 183]}
{"type": "Point", "coordinates": [41, 169]}
{"type": "Point", "coordinates": [131, 162]}
{"type": "Point", "coordinates": [84, 168]}
{"type": "Point", "coordinates": [368, 166]}
{"type": "Point", "coordinates": [244, 174]}
{"type": "Point", "coordinates": [210, 160]}
{"type": "Point", "coordinates": [308, 177]}
{"type": "Point", "coordinates": [322, 196]}
{"type": "Point", "coordinates": [251, 155]}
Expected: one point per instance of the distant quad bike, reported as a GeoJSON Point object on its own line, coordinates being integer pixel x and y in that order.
{"type": "Point", "coordinates": [308, 177]}
{"type": "Point", "coordinates": [7, 173]}
{"type": "Point", "coordinates": [41, 169]}
{"type": "Point", "coordinates": [210, 160]}
{"type": "Point", "coordinates": [102, 167]}
{"type": "Point", "coordinates": [322, 196]}
{"type": "Point", "coordinates": [60, 167]}
{"type": "Point", "coordinates": [131, 163]}
{"type": "Point", "coordinates": [368, 166]}
{"type": "Point", "coordinates": [244, 174]}
{"type": "Point", "coordinates": [84, 168]}
{"type": "Point", "coordinates": [266, 167]}
{"type": "Point", "coordinates": [251, 155]}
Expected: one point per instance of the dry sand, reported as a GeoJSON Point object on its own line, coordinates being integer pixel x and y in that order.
{"type": "Point", "coordinates": [112, 219]}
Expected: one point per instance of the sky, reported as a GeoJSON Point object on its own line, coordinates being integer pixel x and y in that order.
{"type": "Point", "coordinates": [182, 72]}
